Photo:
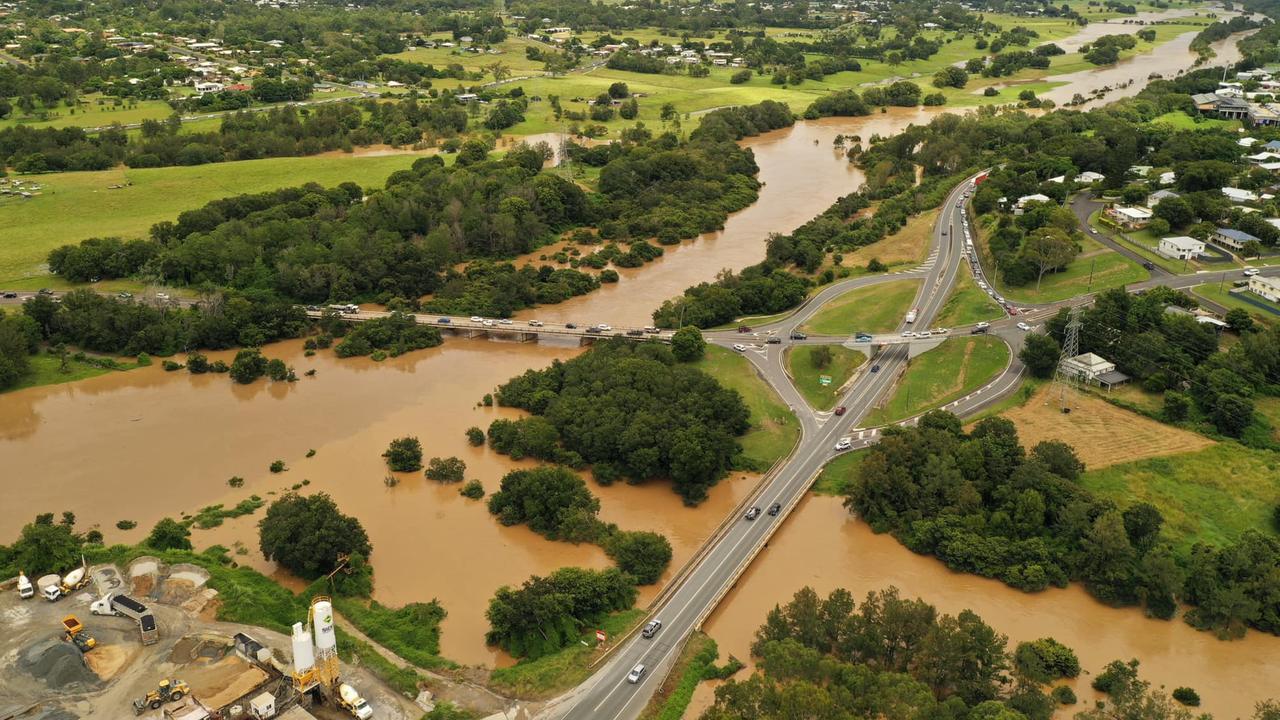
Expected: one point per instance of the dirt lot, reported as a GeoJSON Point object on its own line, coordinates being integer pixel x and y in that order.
{"type": "Point", "coordinates": [1101, 433]}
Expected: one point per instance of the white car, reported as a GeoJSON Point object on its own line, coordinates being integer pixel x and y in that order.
{"type": "Point", "coordinates": [740, 347]}
{"type": "Point", "coordinates": [162, 296]}
{"type": "Point", "coordinates": [844, 443]}
{"type": "Point", "coordinates": [488, 323]}
{"type": "Point", "coordinates": [984, 325]}
{"type": "Point", "coordinates": [504, 321]}
{"type": "Point", "coordinates": [476, 318]}
{"type": "Point", "coordinates": [1024, 327]}
{"type": "Point", "coordinates": [924, 334]}
{"type": "Point", "coordinates": [636, 673]}
{"type": "Point", "coordinates": [1250, 272]}
{"type": "Point", "coordinates": [908, 334]}
{"type": "Point", "coordinates": [940, 331]}
{"type": "Point", "coordinates": [535, 323]}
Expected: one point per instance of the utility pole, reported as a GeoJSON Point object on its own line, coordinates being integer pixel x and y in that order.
{"type": "Point", "coordinates": [1092, 265]}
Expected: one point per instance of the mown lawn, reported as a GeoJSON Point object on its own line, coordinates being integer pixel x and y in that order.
{"type": "Point", "coordinates": [875, 309]}
{"type": "Point", "coordinates": [774, 428]}
{"type": "Point", "coordinates": [1097, 268]}
{"type": "Point", "coordinates": [1179, 120]}
{"type": "Point", "coordinates": [807, 376]}
{"type": "Point", "coordinates": [839, 473]}
{"type": "Point", "coordinates": [559, 671]}
{"type": "Point", "coordinates": [1211, 291]}
{"type": "Point", "coordinates": [1212, 495]}
{"type": "Point", "coordinates": [967, 304]}
{"type": "Point", "coordinates": [948, 372]}
{"type": "Point", "coordinates": [92, 114]}
{"type": "Point", "coordinates": [79, 205]}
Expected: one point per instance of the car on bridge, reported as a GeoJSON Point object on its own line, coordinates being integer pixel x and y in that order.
{"type": "Point", "coordinates": [651, 628]}
{"type": "Point", "coordinates": [444, 321]}
{"type": "Point", "coordinates": [774, 509]}
{"type": "Point", "coordinates": [476, 318]}
{"type": "Point", "coordinates": [862, 337]}
{"type": "Point", "coordinates": [535, 323]}
{"type": "Point", "coordinates": [844, 443]}
{"type": "Point", "coordinates": [752, 513]}
{"type": "Point", "coordinates": [636, 673]}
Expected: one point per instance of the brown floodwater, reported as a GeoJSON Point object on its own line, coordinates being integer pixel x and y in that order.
{"type": "Point", "coordinates": [802, 175]}
{"type": "Point", "coordinates": [822, 546]}
{"type": "Point", "coordinates": [145, 444]}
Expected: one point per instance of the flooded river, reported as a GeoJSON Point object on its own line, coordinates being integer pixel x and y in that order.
{"type": "Point", "coordinates": [146, 444]}
{"type": "Point", "coordinates": [823, 547]}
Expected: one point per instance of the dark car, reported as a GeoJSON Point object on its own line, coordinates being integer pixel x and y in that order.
{"type": "Point", "coordinates": [773, 340]}
{"type": "Point", "coordinates": [978, 331]}
{"type": "Point", "coordinates": [1149, 265]}
{"type": "Point", "coordinates": [753, 513]}
{"type": "Point", "coordinates": [571, 326]}
{"type": "Point", "coordinates": [595, 331]}
{"type": "Point", "coordinates": [798, 336]}
{"type": "Point", "coordinates": [11, 294]}
{"type": "Point", "coordinates": [875, 368]}
{"type": "Point", "coordinates": [775, 508]}
{"type": "Point", "coordinates": [635, 333]}
{"type": "Point", "coordinates": [840, 410]}
{"type": "Point", "coordinates": [744, 328]}
{"type": "Point", "coordinates": [651, 628]}
{"type": "Point", "coordinates": [444, 321]}
{"type": "Point", "coordinates": [44, 291]}
{"type": "Point", "coordinates": [313, 308]}
{"type": "Point", "coordinates": [862, 337]}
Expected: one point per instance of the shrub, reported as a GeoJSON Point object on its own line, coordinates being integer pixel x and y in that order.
{"type": "Point", "coordinates": [990, 92]}
{"type": "Point", "coordinates": [236, 481]}
{"type": "Point", "coordinates": [876, 266]}
{"type": "Point", "coordinates": [450, 469]}
{"type": "Point", "coordinates": [1187, 696]}
{"type": "Point", "coordinates": [277, 466]}
{"type": "Point", "coordinates": [740, 77]}
{"type": "Point", "coordinates": [126, 524]}
{"type": "Point", "coordinates": [1064, 695]}
{"type": "Point", "coordinates": [169, 534]}
{"type": "Point", "coordinates": [170, 365]}
{"type": "Point", "coordinates": [643, 555]}
{"type": "Point", "coordinates": [404, 455]}
{"type": "Point", "coordinates": [474, 489]}
{"type": "Point", "coordinates": [475, 436]}
{"type": "Point", "coordinates": [1045, 660]}
{"type": "Point", "coordinates": [311, 453]}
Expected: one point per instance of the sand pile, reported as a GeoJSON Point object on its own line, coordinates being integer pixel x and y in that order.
{"type": "Point", "coordinates": [59, 664]}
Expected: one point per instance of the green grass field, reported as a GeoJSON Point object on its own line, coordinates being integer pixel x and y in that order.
{"type": "Point", "coordinates": [948, 372]}
{"type": "Point", "coordinates": [46, 370]}
{"type": "Point", "coordinates": [79, 205]}
{"type": "Point", "coordinates": [875, 309]}
{"type": "Point", "coordinates": [561, 670]}
{"type": "Point", "coordinates": [967, 304]}
{"type": "Point", "coordinates": [1182, 121]}
{"type": "Point", "coordinates": [800, 364]}
{"type": "Point", "coordinates": [837, 474]}
{"type": "Point", "coordinates": [1211, 292]}
{"type": "Point", "coordinates": [774, 428]}
{"type": "Point", "coordinates": [92, 114]}
{"type": "Point", "coordinates": [1097, 268]}
{"type": "Point", "coordinates": [1212, 495]}
{"type": "Point", "coordinates": [511, 53]}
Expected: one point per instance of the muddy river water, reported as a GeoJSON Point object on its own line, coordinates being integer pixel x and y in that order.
{"type": "Point", "coordinates": [146, 444]}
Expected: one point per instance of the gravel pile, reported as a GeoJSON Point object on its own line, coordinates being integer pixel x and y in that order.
{"type": "Point", "coordinates": [59, 664]}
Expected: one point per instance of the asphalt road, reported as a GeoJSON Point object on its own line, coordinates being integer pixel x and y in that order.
{"type": "Point", "coordinates": [608, 695]}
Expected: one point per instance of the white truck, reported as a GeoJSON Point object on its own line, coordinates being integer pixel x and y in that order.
{"type": "Point", "coordinates": [351, 701]}
{"type": "Point", "coordinates": [25, 589]}
{"type": "Point", "coordinates": [125, 606]}
{"type": "Point", "coordinates": [75, 580]}
{"type": "Point", "coordinates": [911, 315]}
{"type": "Point", "coordinates": [50, 587]}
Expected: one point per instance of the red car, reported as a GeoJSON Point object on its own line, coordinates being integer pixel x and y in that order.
{"type": "Point", "coordinates": [744, 329]}
{"type": "Point", "coordinates": [840, 410]}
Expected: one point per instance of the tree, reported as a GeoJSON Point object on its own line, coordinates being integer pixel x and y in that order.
{"type": "Point", "coordinates": [1049, 249]}
{"type": "Point", "coordinates": [1046, 660]}
{"type": "Point", "coordinates": [687, 344]}
{"type": "Point", "coordinates": [1239, 320]}
{"type": "Point", "coordinates": [404, 455]}
{"type": "Point", "coordinates": [1176, 406]}
{"type": "Point", "coordinates": [308, 534]}
{"type": "Point", "coordinates": [619, 90]}
{"type": "Point", "coordinates": [821, 356]}
{"type": "Point", "coordinates": [546, 613]}
{"type": "Point", "coordinates": [248, 366]}
{"type": "Point", "coordinates": [45, 547]}
{"type": "Point", "coordinates": [1059, 457]}
{"type": "Point", "coordinates": [551, 500]}
{"type": "Point", "coordinates": [1176, 211]}
{"type": "Point", "coordinates": [169, 534]}
{"type": "Point", "coordinates": [950, 76]}
{"type": "Point", "coordinates": [643, 555]}
{"type": "Point", "coordinates": [475, 436]}
{"type": "Point", "coordinates": [629, 109]}
{"type": "Point", "coordinates": [500, 71]}
{"type": "Point", "coordinates": [450, 469]}
{"type": "Point", "coordinates": [1142, 522]}
{"type": "Point", "coordinates": [1040, 354]}
{"type": "Point", "coordinates": [1232, 414]}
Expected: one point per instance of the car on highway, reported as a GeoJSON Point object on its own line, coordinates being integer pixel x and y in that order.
{"type": "Point", "coordinates": [775, 508]}
{"type": "Point", "coordinates": [978, 331]}
{"type": "Point", "coordinates": [862, 337]}
{"type": "Point", "coordinates": [443, 321]}
{"type": "Point", "coordinates": [744, 328]}
{"type": "Point", "coordinates": [875, 368]}
{"type": "Point", "coordinates": [752, 513]}
{"type": "Point", "coordinates": [908, 334]}
{"type": "Point", "coordinates": [127, 295]}
{"type": "Point", "coordinates": [773, 340]}
{"type": "Point", "coordinates": [505, 321]}
{"type": "Point", "coordinates": [651, 628]}
{"type": "Point", "coordinates": [487, 323]}
{"type": "Point", "coordinates": [1024, 327]}
{"type": "Point", "coordinates": [604, 328]}
{"type": "Point", "coordinates": [595, 331]}
{"type": "Point", "coordinates": [983, 325]}
{"type": "Point", "coordinates": [651, 329]}
{"type": "Point", "coordinates": [535, 323]}
{"type": "Point", "coordinates": [1250, 272]}
{"type": "Point", "coordinates": [636, 673]}
{"type": "Point", "coordinates": [476, 318]}
{"type": "Point", "coordinates": [844, 443]}
{"type": "Point", "coordinates": [44, 291]}
{"type": "Point", "coordinates": [797, 335]}
{"type": "Point", "coordinates": [841, 410]}
{"type": "Point", "coordinates": [740, 347]}
{"type": "Point", "coordinates": [940, 331]}
{"type": "Point", "coordinates": [571, 326]}
{"type": "Point", "coordinates": [924, 334]}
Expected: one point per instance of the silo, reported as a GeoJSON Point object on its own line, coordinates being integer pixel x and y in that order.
{"type": "Point", "coordinates": [304, 655]}
{"type": "Point", "coordinates": [322, 625]}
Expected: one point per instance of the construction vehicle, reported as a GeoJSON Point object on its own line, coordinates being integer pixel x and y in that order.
{"type": "Point", "coordinates": [125, 606]}
{"type": "Point", "coordinates": [50, 587]}
{"type": "Point", "coordinates": [351, 701]}
{"type": "Point", "coordinates": [169, 690]}
{"type": "Point", "coordinates": [74, 632]}
{"type": "Point", "coordinates": [75, 580]}
{"type": "Point", "coordinates": [25, 589]}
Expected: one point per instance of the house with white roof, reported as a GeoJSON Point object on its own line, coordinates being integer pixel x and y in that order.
{"type": "Point", "coordinates": [1239, 195]}
{"type": "Point", "coordinates": [1129, 218]}
{"type": "Point", "coordinates": [1159, 195]}
{"type": "Point", "coordinates": [1180, 247]}
{"type": "Point", "coordinates": [1089, 176]}
{"type": "Point", "coordinates": [1267, 288]}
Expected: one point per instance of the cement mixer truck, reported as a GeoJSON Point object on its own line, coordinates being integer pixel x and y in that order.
{"type": "Point", "coordinates": [75, 580]}
{"type": "Point", "coordinates": [351, 701]}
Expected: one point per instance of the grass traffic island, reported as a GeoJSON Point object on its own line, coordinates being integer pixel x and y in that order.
{"type": "Point", "coordinates": [774, 428]}
{"type": "Point", "coordinates": [967, 304]}
{"type": "Point", "coordinates": [808, 376]}
{"type": "Point", "coordinates": [1213, 495]}
{"type": "Point", "coordinates": [565, 668]}
{"type": "Point", "coordinates": [936, 377]}
{"type": "Point", "coordinates": [1095, 269]}
{"type": "Point", "coordinates": [74, 206]}
{"type": "Point", "coordinates": [874, 309]}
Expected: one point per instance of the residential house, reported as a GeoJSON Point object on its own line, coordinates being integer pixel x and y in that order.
{"type": "Point", "coordinates": [1239, 195]}
{"type": "Point", "coordinates": [1089, 176]}
{"type": "Point", "coordinates": [1232, 238]}
{"type": "Point", "coordinates": [1129, 218]}
{"type": "Point", "coordinates": [1272, 145]}
{"type": "Point", "coordinates": [1267, 288]}
{"type": "Point", "coordinates": [1168, 178]}
{"type": "Point", "coordinates": [1180, 247]}
{"type": "Point", "coordinates": [1154, 198]}
{"type": "Point", "coordinates": [1095, 370]}
{"type": "Point", "coordinates": [205, 88]}
{"type": "Point", "coordinates": [1222, 106]}
{"type": "Point", "coordinates": [1021, 205]}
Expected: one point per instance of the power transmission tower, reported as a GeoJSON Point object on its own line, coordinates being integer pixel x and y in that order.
{"type": "Point", "coordinates": [1066, 379]}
